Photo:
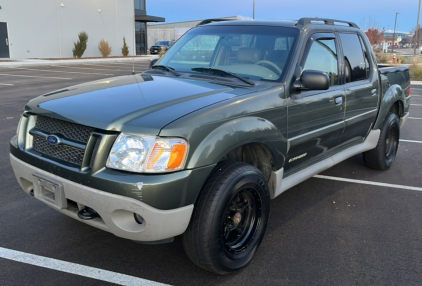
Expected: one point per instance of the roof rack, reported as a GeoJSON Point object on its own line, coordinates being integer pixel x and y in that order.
{"type": "Point", "coordinates": [308, 21]}
{"type": "Point", "coordinates": [207, 21]}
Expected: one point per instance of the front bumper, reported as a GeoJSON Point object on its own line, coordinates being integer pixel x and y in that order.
{"type": "Point", "coordinates": [116, 212]}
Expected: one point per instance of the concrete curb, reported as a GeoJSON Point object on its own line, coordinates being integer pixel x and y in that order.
{"type": "Point", "coordinates": [31, 62]}
{"type": "Point", "coordinates": [415, 82]}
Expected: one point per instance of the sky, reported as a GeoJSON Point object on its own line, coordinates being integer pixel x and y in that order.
{"type": "Point", "coordinates": [366, 13]}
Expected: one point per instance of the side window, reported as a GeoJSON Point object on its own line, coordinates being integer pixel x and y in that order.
{"type": "Point", "coordinates": [366, 55]}
{"type": "Point", "coordinates": [354, 61]}
{"type": "Point", "coordinates": [322, 56]}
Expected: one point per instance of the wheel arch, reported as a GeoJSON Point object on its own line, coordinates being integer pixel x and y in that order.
{"type": "Point", "coordinates": [226, 140]}
{"type": "Point", "coordinates": [393, 101]}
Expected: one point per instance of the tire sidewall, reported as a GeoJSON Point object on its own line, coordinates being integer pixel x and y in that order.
{"type": "Point", "coordinates": [235, 181]}
{"type": "Point", "coordinates": [390, 122]}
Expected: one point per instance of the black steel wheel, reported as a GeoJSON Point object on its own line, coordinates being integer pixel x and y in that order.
{"type": "Point", "coordinates": [382, 157]}
{"type": "Point", "coordinates": [229, 218]}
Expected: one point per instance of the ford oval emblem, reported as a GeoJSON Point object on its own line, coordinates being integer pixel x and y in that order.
{"type": "Point", "coordinates": [53, 139]}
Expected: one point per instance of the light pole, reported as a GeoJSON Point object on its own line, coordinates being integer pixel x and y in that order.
{"type": "Point", "coordinates": [417, 30]}
{"type": "Point", "coordinates": [394, 34]}
{"type": "Point", "coordinates": [253, 9]}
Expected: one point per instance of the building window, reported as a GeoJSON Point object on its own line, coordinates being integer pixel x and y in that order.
{"type": "Point", "coordinates": [140, 4]}
{"type": "Point", "coordinates": [141, 39]}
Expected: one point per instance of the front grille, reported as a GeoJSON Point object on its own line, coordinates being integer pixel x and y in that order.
{"type": "Point", "coordinates": [62, 152]}
{"type": "Point", "coordinates": [69, 130]}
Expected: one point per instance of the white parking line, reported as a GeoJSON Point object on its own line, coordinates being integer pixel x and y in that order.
{"type": "Point", "coordinates": [414, 118]}
{"type": "Point", "coordinates": [35, 76]}
{"type": "Point", "coordinates": [58, 71]}
{"type": "Point", "coordinates": [416, 104]}
{"type": "Point", "coordinates": [412, 141]}
{"type": "Point", "coordinates": [7, 84]}
{"type": "Point", "coordinates": [368, 183]}
{"type": "Point", "coordinates": [76, 67]}
{"type": "Point", "coordinates": [73, 268]}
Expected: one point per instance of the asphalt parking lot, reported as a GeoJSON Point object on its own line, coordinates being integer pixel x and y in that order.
{"type": "Point", "coordinates": [348, 226]}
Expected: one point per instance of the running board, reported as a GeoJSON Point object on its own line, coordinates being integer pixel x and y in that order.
{"type": "Point", "coordinates": [281, 185]}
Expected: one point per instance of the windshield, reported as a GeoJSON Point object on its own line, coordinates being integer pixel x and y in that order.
{"type": "Point", "coordinates": [252, 52]}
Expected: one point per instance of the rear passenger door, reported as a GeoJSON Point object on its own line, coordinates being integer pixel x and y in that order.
{"type": "Point", "coordinates": [315, 117]}
{"type": "Point", "coordinates": [362, 88]}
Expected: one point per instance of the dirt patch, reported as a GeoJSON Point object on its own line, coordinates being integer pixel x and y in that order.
{"type": "Point", "coordinates": [2, 61]}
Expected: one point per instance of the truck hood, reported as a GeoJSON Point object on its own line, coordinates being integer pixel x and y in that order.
{"type": "Point", "coordinates": [139, 103]}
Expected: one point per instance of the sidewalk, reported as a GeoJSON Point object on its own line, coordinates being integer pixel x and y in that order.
{"type": "Point", "coordinates": [40, 62]}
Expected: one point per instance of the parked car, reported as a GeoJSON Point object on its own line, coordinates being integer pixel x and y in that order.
{"type": "Point", "coordinates": [160, 46]}
{"type": "Point", "coordinates": [233, 115]}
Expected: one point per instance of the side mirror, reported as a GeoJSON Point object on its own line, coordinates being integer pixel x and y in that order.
{"type": "Point", "coordinates": [313, 80]}
{"type": "Point", "coordinates": [151, 63]}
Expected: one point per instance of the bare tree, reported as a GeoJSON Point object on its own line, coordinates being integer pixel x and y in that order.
{"type": "Point", "coordinates": [417, 36]}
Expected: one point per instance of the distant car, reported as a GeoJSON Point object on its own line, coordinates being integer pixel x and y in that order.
{"type": "Point", "coordinates": [160, 46]}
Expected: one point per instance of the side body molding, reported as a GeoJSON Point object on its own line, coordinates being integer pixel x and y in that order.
{"type": "Point", "coordinates": [235, 133]}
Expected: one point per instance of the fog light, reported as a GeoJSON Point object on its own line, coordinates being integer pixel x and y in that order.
{"type": "Point", "coordinates": [138, 218]}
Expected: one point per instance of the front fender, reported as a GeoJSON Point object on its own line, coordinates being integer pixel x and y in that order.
{"type": "Point", "coordinates": [394, 93]}
{"type": "Point", "coordinates": [235, 133]}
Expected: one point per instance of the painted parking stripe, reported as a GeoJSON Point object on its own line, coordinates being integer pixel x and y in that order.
{"type": "Point", "coordinates": [412, 141]}
{"type": "Point", "coordinates": [60, 71]}
{"type": "Point", "coordinates": [414, 118]}
{"type": "Point", "coordinates": [7, 84]}
{"type": "Point", "coordinates": [35, 76]}
{"type": "Point", "coordinates": [416, 104]}
{"type": "Point", "coordinates": [77, 67]}
{"type": "Point", "coordinates": [368, 183]}
{"type": "Point", "coordinates": [73, 268]}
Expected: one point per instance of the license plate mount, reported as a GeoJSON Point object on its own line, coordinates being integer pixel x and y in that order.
{"type": "Point", "coordinates": [49, 191]}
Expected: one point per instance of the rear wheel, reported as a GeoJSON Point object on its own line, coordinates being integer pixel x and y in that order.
{"type": "Point", "coordinates": [229, 219]}
{"type": "Point", "coordinates": [382, 157]}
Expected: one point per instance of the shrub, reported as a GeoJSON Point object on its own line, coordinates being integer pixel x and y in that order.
{"type": "Point", "coordinates": [104, 48]}
{"type": "Point", "coordinates": [415, 71]}
{"type": "Point", "coordinates": [125, 48]}
{"type": "Point", "coordinates": [80, 46]}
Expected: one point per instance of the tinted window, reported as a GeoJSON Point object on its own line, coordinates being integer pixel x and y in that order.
{"type": "Point", "coordinates": [354, 61]}
{"type": "Point", "coordinates": [322, 56]}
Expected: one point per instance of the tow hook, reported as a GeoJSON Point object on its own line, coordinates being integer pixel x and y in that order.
{"type": "Point", "coordinates": [87, 213]}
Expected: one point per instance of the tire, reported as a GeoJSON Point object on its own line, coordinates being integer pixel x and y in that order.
{"type": "Point", "coordinates": [229, 219]}
{"type": "Point", "coordinates": [382, 157]}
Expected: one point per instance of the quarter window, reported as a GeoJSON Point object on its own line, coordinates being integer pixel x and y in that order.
{"type": "Point", "coordinates": [354, 62]}
{"type": "Point", "coordinates": [322, 56]}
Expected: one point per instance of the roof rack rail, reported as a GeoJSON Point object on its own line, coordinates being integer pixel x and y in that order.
{"type": "Point", "coordinates": [307, 21]}
{"type": "Point", "coordinates": [207, 21]}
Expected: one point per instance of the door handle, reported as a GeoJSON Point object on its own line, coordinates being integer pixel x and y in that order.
{"type": "Point", "coordinates": [7, 42]}
{"type": "Point", "coordinates": [338, 100]}
{"type": "Point", "coordinates": [374, 91]}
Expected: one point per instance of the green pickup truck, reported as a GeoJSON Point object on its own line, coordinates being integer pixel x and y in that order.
{"type": "Point", "coordinates": [234, 114]}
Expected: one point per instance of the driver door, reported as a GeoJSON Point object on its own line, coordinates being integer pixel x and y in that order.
{"type": "Point", "coordinates": [316, 117]}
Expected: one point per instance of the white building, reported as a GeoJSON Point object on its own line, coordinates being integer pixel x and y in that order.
{"type": "Point", "coordinates": [173, 31]}
{"type": "Point", "coordinates": [48, 28]}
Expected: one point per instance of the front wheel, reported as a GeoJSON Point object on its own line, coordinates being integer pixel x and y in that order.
{"type": "Point", "coordinates": [382, 157]}
{"type": "Point", "coordinates": [229, 219]}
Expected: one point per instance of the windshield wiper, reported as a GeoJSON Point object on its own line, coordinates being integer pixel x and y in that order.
{"type": "Point", "coordinates": [223, 72]}
{"type": "Point", "coordinates": [167, 68]}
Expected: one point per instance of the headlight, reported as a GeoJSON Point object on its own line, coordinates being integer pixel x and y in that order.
{"type": "Point", "coordinates": [147, 154]}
